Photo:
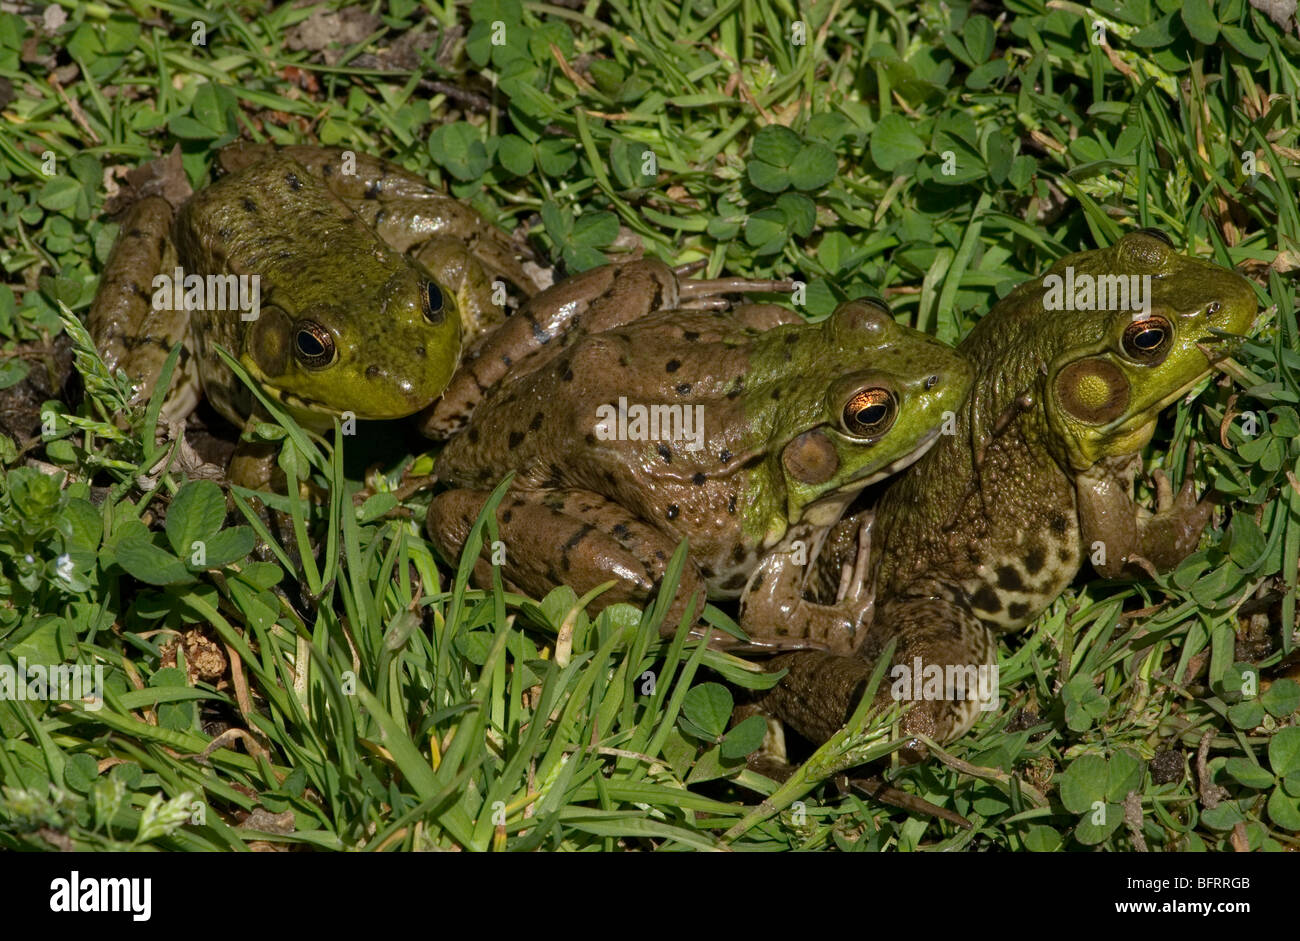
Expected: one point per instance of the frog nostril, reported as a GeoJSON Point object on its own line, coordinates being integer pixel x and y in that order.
{"type": "Point", "coordinates": [420, 352]}
{"type": "Point", "coordinates": [931, 382]}
{"type": "Point", "coordinates": [1213, 308]}
{"type": "Point", "coordinates": [372, 371]}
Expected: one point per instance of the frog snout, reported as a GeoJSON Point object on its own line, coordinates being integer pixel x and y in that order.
{"type": "Point", "coordinates": [403, 386]}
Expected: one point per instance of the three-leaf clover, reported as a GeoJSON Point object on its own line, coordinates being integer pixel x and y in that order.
{"type": "Point", "coordinates": [706, 710]}
{"type": "Point", "coordinates": [782, 159]}
{"type": "Point", "coordinates": [194, 534]}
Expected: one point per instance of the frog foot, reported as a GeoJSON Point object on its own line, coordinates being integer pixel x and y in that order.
{"type": "Point", "coordinates": [1174, 531]}
{"type": "Point", "coordinates": [855, 586]}
{"type": "Point", "coordinates": [943, 670]}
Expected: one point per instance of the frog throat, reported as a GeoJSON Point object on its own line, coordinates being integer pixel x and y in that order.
{"type": "Point", "coordinates": [825, 508]}
{"type": "Point", "coordinates": [1091, 426]}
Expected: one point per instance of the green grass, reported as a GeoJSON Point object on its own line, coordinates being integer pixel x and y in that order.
{"type": "Point", "coordinates": [380, 703]}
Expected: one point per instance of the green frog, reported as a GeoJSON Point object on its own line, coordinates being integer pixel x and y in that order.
{"type": "Point", "coordinates": [746, 432]}
{"type": "Point", "coordinates": [984, 532]}
{"type": "Point", "coordinates": [342, 283]}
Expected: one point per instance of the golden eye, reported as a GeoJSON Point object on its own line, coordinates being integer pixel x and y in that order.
{"type": "Point", "coordinates": [1157, 234]}
{"type": "Point", "coordinates": [432, 302]}
{"type": "Point", "coordinates": [1148, 340]}
{"type": "Point", "coordinates": [870, 412]}
{"type": "Point", "coordinates": [313, 345]}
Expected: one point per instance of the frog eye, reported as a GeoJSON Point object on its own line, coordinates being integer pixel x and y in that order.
{"type": "Point", "coordinates": [313, 345]}
{"type": "Point", "coordinates": [870, 412]}
{"type": "Point", "coordinates": [432, 303]}
{"type": "Point", "coordinates": [1148, 340]}
{"type": "Point", "coordinates": [1157, 234]}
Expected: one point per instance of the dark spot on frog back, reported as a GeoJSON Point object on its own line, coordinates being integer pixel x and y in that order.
{"type": "Point", "coordinates": [295, 184]}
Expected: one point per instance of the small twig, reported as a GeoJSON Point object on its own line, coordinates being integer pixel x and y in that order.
{"type": "Point", "coordinates": [1036, 797]}
{"type": "Point", "coordinates": [460, 95]}
{"type": "Point", "coordinates": [1211, 793]}
{"type": "Point", "coordinates": [1133, 820]}
{"type": "Point", "coordinates": [877, 789]}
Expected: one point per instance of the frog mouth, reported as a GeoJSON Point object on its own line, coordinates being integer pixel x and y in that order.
{"type": "Point", "coordinates": [1144, 414]}
{"type": "Point", "coordinates": [929, 440]}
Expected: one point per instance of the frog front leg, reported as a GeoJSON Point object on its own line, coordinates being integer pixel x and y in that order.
{"type": "Point", "coordinates": [943, 669]}
{"type": "Point", "coordinates": [775, 609]}
{"type": "Point", "coordinates": [567, 537]}
{"type": "Point", "coordinates": [1122, 537]}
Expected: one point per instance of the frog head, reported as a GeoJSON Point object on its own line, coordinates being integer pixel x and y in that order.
{"type": "Point", "coordinates": [883, 398]}
{"type": "Point", "coordinates": [1129, 335]}
{"type": "Point", "coordinates": [383, 354]}
{"type": "Point", "coordinates": [342, 323]}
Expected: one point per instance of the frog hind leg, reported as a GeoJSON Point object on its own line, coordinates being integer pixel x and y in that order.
{"type": "Point", "coordinates": [129, 333]}
{"type": "Point", "coordinates": [567, 537]}
{"type": "Point", "coordinates": [935, 634]}
{"type": "Point", "coordinates": [594, 300]}
{"type": "Point", "coordinates": [711, 292]}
